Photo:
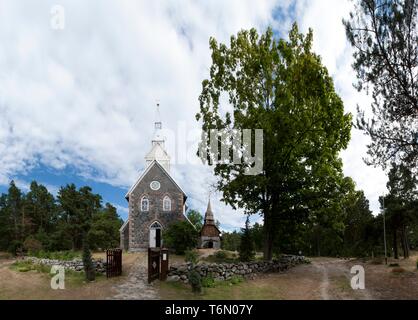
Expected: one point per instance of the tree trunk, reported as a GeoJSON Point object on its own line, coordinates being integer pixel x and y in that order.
{"type": "Point", "coordinates": [268, 237]}
{"type": "Point", "coordinates": [404, 242]}
{"type": "Point", "coordinates": [395, 245]}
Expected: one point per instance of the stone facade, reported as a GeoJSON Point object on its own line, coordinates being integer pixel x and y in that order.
{"type": "Point", "coordinates": [141, 221]}
{"type": "Point", "coordinates": [225, 271]}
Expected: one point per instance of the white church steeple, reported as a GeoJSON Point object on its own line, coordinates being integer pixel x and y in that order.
{"type": "Point", "coordinates": [157, 151]}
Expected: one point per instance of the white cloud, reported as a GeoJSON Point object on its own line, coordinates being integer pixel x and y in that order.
{"type": "Point", "coordinates": [84, 96]}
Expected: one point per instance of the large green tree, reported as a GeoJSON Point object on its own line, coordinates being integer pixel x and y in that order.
{"type": "Point", "coordinates": [384, 36]}
{"type": "Point", "coordinates": [282, 88]}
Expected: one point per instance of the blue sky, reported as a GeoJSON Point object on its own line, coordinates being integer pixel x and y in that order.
{"type": "Point", "coordinates": [77, 103]}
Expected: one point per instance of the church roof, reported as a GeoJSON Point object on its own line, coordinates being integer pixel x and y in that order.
{"type": "Point", "coordinates": [157, 152]}
{"type": "Point", "coordinates": [209, 219]}
{"type": "Point", "coordinates": [144, 173]}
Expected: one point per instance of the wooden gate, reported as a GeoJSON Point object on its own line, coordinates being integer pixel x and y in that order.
{"type": "Point", "coordinates": [153, 264]}
{"type": "Point", "coordinates": [157, 264]}
{"type": "Point", "coordinates": [113, 262]}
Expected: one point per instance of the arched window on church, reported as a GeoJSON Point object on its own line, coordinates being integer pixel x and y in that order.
{"type": "Point", "coordinates": [144, 203]}
{"type": "Point", "coordinates": [167, 203]}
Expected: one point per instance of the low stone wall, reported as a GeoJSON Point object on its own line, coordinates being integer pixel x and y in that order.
{"type": "Point", "coordinates": [75, 265]}
{"type": "Point", "coordinates": [225, 271]}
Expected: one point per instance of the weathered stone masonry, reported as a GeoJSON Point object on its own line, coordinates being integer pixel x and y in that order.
{"type": "Point", "coordinates": [225, 271]}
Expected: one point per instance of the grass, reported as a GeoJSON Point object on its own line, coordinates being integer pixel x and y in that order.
{"type": "Point", "coordinates": [67, 255]}
{"type": "Point", "coordinates": [236, 289]}
{"type": "Point", "coordinates": [221, 256]}
{"type": "Point", "coordinates": [72, 278]}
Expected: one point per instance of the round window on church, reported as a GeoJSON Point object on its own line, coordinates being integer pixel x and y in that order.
{"type": "Point", "coordinates": [155, 185]}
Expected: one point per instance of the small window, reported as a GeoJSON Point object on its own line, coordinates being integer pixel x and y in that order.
{"type": "Point", "coordinates": [167, 204]}
{"type": "Point", "coordinates": [144, 204]}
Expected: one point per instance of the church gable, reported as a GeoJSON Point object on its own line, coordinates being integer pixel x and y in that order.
{"type": "Point", "coordinates": [161, 179]}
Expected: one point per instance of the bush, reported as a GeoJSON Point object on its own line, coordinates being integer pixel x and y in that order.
{"type": "Point", "coordinates": [195, 281]}
{"type": "Point", "coordinates": [191, 256]}
{"type": "Point", "coordinates": [180, 236]}
{"type": "Point", "coordinates": [221, 255]}
{"type": "Point", "coordinates": [89, 267]}
{"type": "Point", "coordinates": [32, 245]}
{"type": "Point", "coordinates": [208, 281]}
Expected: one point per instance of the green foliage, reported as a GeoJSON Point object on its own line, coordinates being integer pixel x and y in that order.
{"type": "Point", "coordinates": [104, 231]}
{"type": "Point", "coordinates": [180, 236]}
{"type": "Point", "coordinates": [281, 87]}
{"type": "Point", "coordinates": [195, 281]}
{"type": "Point", "coordinates": [236, 279]}
{"type": "Point", "coordinates": [195, 218]}
{"type": "Point", "coordinates": [246, 249]}
{"type": "Point", "coordinates": [221, 256]}
{"type": "Point", "coordinates": [231, 241]}
{"type": "Point", "coordinates": [191, 256]}
{"type": "Point", "coordinates": [385, 41]}
{"type": "Point", "coordinates": [208, 281]}
{"type": "Point", "coordinates": [67, 255]}
{"type": "Point", "coordinates": [36, 220]}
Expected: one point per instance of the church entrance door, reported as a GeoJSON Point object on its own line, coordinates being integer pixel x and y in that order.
{"type": "Point", "coordinates": [155, 235]}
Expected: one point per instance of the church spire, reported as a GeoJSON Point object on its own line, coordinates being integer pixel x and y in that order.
{"type": "Point", "coordinates": [209, 219]}
{"type": "Point", "coordinates": [158, 126]}
{"type": "Point", "coordinates": [157, 151]}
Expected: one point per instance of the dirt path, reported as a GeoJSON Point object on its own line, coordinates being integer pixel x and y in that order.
{"type": "Point", "coordinates": [136, 287]}
{"type": "Point", "coordinates": [336, 280]}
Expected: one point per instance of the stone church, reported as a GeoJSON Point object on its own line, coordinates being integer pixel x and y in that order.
{"type": "Point", "coordinates": [155, 201]}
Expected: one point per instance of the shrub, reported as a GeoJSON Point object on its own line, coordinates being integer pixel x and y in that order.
{"type": "Point", "coordinates": [191, 256]}
{"type": "Point", "coordinates": [208, 281]}
{"type": "Point", "coordinates": [195, 281]}
{"type": "Point", "coordinates": [180, 236]}
{"type": "Point", "coordinates": [89, 268]}
{"type": "Point", "coordinates": [32, 245]}
{"type": "Point", "coordinates": [221, 255]}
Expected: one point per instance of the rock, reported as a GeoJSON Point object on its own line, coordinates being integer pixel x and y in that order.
{"type": "Point", "coordinates": [174, 278]}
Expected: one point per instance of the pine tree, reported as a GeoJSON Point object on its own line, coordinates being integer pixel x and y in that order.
{"type": "Point", "coordinates": [89, 267]}
{"type": "Point", "coordinates": [246, 249]}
